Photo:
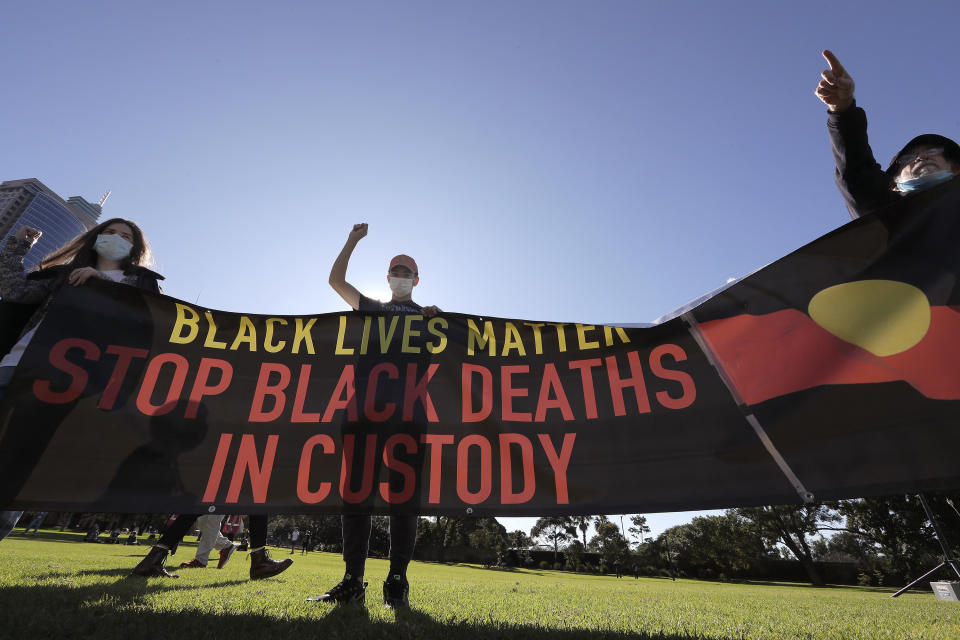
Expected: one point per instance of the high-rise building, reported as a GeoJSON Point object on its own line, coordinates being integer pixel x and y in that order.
{"type": "Point", "coordinates": [87, 211]}
{"type": "Point", "coordinates": [31, 203]}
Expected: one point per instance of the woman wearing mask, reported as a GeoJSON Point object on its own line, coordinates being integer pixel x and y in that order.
{"type": "Point", "coordinates": [114, 250]}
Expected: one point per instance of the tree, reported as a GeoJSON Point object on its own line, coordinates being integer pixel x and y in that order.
{"type": "Point", "coordinates": [892, 533]}
{"type": "Point", "coordinates": [519, 540]}
{"type": "Point", "coordinates": [610, 543]}
{"type": "Point", "coordinates": [489, 535]}
{"type": "Point", "coordinates": [583, 524]}
{"type": "Point", "coordinates": [897, 528]}
{"type": "Point", "coordinates": [710, 546]}
{"type": "Point", "coordinates": [668, 545]}
{"type": "Point", "coordinates": [790, 525]}
{"type": "Point", "coordinates": [639, 528]}
{"type": "Point", "coordinates": [448, 531]}
{"type": "Point", "coordinates": [845, 546]}
{"type": "Point", "coordinates": [555, 529]}
{"type": "Point", "coordinates": [450, 536]}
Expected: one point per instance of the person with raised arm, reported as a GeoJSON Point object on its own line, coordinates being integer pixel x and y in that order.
{"type": "Point", "coordinates": [402, 276]}
{"type": "Point", "coordinates": [926, 161]}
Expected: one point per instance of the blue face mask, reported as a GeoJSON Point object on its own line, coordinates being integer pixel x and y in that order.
{"type": "Point", "coordinates": [924, 182]}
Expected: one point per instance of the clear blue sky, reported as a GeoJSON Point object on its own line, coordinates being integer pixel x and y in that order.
{"type": "Point", "coordinates": [586, 161]}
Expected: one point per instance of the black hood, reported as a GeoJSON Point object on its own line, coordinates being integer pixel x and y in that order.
{"type": "Point", "coordinates": [951, 150]}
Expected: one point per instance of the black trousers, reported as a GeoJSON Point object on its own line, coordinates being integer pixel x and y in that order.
{"type": "Point", "coordinates": [356, 540]}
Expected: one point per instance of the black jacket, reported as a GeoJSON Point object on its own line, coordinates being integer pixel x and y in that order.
{"type": "Point", "coordinates": [16, 316]}
{"type": "Point", "coordinates": [862, 181]}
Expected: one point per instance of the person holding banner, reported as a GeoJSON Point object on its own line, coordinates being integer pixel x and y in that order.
{"type": "Point", "coordinates": [114, 250]}
{"type": "Point", "coordinates": [402, 276]}
{"type": "Point", "coordinates": [925, 161]}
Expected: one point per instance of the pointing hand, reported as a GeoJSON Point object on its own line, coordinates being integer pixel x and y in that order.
{"type": "Point", "coordinates": [836, 86]}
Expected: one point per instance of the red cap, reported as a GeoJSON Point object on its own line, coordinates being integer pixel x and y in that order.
{"type": "Point", "coordinates": [405, 261]}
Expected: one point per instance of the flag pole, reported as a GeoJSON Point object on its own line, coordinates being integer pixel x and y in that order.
{"type": "Point", "coordinates": [694, 327]}
{"type": "Point", "coordinates": [948, 560]}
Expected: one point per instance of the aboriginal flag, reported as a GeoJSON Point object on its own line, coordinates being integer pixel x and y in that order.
{"type": "Point", "coordinates": [847, 351]}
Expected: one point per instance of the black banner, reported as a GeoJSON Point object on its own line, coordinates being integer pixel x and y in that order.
{"type": "Point", "coordinates": [831, 373]}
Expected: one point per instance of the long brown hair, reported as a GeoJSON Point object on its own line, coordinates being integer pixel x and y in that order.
{"type": "Point", "coordinates": [79, 251]}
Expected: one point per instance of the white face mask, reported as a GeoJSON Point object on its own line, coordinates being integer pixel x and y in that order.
{"type": "Point", "coordinates": [112, 246]}
{"type": "Point", "coordinates": [401, 287]}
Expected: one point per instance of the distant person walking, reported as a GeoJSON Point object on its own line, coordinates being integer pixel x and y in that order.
{"type": "Point", "coordinates": [305, 543]}
{"type": "Point", "coordinates": [36, 522]}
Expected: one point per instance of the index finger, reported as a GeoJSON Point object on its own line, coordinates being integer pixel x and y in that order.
{"type": "Point", "coordinates": [835, 65]}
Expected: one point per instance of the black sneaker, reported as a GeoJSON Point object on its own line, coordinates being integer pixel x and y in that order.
{"type": "Point", "coordinates": [346, 591]}
{"type": "Point", "coordinates": [396, 590]}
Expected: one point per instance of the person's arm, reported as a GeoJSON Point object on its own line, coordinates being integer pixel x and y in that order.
{"type": "Point", "coordinates": [859, 177]}
{"type": "Point", "coordinates": [14, 286]}
{"type": "Point", "coordinates": [338, 273]}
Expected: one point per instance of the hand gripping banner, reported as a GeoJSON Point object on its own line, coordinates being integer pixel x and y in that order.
{"type": "Point", "coordinates": [831, 373]}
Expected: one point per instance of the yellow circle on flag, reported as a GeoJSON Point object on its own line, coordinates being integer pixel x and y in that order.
{"type": "Point", "coordinates": [882, 316]}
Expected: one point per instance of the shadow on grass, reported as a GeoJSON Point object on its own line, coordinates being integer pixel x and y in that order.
{"type": "Point", "coordinates": [790, 585]}
{"type": "Point", "coordinates": [106, 573]}
{"type": "Point", "coordinates": [118, 611]}
{"type": "Point", "coordinates": [50, 535]}
{"type": "Point", "coordinates": [513, 570]}
{"type": "Point", "coordinates": [123, 575]}
{"type": "Point", "coordinates": [844, 587]}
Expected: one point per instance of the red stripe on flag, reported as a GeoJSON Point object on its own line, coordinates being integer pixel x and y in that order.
{"type": "Point", "coordinates": [784, 352]}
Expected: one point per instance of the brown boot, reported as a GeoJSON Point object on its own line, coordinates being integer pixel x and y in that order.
{"type": "Point", "coordinates": [261, 566]}
{"type": "Point", "coordinates": [152, 565]}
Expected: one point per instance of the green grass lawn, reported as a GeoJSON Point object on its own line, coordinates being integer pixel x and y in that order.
{"type": "Point", "coordinates": [54, 586]}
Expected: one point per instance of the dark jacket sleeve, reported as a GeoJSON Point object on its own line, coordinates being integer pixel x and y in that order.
{"type": "Point", "coordinates": [149, 282]}
{"type": "Point", "coordinates": [144, 278]}
{"type": "Point", "coordinates": [14, 284]}
{"type": "Point", "coordinates": [860, 178]}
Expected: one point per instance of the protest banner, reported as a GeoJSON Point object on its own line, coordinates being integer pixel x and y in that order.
{"type": "Point", "coordinates": [831, 373]}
